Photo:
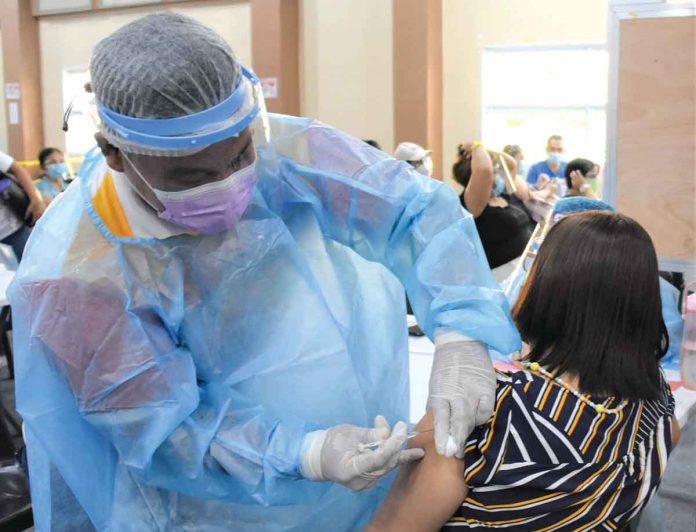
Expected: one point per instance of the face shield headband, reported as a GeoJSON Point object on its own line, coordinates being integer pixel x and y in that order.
{"type": "Point", "coordinates": [191, 133]}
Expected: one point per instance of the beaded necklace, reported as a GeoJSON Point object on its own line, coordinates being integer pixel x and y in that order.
{"type": "Point", "coordinates": [600, 409]}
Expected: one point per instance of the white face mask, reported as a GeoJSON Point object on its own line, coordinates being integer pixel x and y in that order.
{"type": "Point", "coordinates": [425, 167]}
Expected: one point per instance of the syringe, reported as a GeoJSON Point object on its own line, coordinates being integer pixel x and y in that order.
{"type": "Point", "coordinates": [376, 444]}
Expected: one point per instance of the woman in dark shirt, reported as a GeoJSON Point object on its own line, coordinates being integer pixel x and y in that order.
{"type": "Point", "coordinates": [503, 223]}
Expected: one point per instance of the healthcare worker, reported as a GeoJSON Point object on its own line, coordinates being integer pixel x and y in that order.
{"type": "Point", "coordinates": [209, 315]}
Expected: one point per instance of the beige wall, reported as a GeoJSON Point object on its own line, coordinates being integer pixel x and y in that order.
{"type": "Point", "coordinates": [346, 57]}
{"type": "Point", "coordinates": [346, 63]}
{"type": "Point", "coordinates": [470, 25]}
{"type": "Point", "coordinates": [67, 41]}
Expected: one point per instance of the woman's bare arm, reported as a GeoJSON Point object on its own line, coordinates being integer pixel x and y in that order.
{"type": "Point", "coordinates": [676, 432]}
{"type": "Point", "coordinates": [424, 494]}
{"type": "Point", "coordinates": [24, 180]}
{"type": "Point", "coordinates": [478, 191]}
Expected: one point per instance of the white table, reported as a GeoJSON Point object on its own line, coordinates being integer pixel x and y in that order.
{"type": "Point", "coordinates": [421, 351]}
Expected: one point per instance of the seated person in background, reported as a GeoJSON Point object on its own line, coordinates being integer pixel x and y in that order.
{"type": "Point", "coordinates": [579, 173]}
{"type": "Point", "coordinates": [373, 143]}
{"type": "Point", "coordinates": [56, 173]}
{"type": "Point", "coordinates": [502, 221]}
{"type": "Point", "coordinates": [415, 155]}
{"type": "Point", "coordinates": [550, 169]}
{"type": "Point", "coordinates": [514, 151]}
{"type": "Point", "coordinates": [581, 433]}
{"type": "Point", "coordinates": [14, 229]}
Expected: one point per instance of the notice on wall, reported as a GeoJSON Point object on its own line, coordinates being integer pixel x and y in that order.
{"type": "Point", "coordinates": [13, 91]}
{"type": "Point", "coordinates": [269, 87]}
{"type": "Point", "coordinates": [13, 113]}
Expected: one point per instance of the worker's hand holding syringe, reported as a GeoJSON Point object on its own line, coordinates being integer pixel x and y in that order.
{"type": "Point", "coordinates": [354, 456]}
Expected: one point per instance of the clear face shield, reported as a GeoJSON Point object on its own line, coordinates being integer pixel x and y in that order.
{"type": "Point", "coordinates": [187, 135]}
{"type": "Point", "coordinates": [197, 171]}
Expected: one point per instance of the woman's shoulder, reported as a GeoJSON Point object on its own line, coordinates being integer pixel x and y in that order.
{"type": "Point", "coordinates": [583, 428]}
{"type": "Point", "coordinates": [43, 184]}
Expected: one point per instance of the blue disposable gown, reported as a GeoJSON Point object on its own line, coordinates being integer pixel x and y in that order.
{"type": "Point", "coordinates": [168, 384]}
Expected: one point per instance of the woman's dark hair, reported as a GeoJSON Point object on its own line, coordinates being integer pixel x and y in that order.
{"type": "Point", "coordinates": [584, 165]}
{"type": "Point", "coordinates": [461, 170]}
{"type": "Point", "coordinates": [45, 154]}
{"type": "Point", "coordinates": [591, 306]}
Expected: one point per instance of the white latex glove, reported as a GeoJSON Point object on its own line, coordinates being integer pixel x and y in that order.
{"type": "Point", "coordinates": [462, 390]}
{"type": "Point", "coordinates": [335, 454]}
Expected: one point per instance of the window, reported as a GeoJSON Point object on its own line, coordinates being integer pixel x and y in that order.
{"type": "Point", "coordinates": [82, 124]}
{"type": "Point", "coordinates": [114, 3]}
{"type": "Point", "coordinates": [531, 92]}
{"type": "Point", "coordinates": [56, 6]}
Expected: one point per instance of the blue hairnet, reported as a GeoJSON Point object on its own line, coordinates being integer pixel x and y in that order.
{"type": "Point", "coordinates": [163, 65]}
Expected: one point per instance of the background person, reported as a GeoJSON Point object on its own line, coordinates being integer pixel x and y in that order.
{"type": "Point", "coordinates": [552, 168]}
{"type": "Point", "coordinates": [502, 221]}
{"type": "Point", "coordinates": [373, 143]}
{"type": "Point", "coordinates": [14, 230]}
{"type": "Point", "coordinates": [416, 156]}
{"type": "Point", "coordinates": [515, 151]}
{"type": "Point", "coordinates": [579, 176]}
{"type": "Point", "coordinates": [55, 176]}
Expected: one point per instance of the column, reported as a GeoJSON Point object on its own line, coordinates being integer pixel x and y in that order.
{"type": "Point", "coordinates": [22, 70]}
{"type": "Point", "coordinates": [275, 36]}
{"type": "Point", "coordinates": [418, 75]}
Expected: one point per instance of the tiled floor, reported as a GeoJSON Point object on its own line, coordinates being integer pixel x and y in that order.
{"type": "Point", "coordinates": [678, 490]}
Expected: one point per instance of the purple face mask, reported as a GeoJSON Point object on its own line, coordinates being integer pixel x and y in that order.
{"type": "Point", "coordinates": [210, 208]}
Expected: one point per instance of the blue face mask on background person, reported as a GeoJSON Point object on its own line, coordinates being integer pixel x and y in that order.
{"type": "Point", "coordinates": [425, 167]}
{"type": "Point", "coordinates": [58, 170]}
{"type": "Point", "coordinates": [555, 157]}
{"type": "Point", "coordinates": [498, 185]}
{"type": "Point", "coordinates": [522, 168]}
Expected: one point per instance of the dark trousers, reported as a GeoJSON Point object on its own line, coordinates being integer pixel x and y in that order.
{"type": "Point", "coordinates": [18, 240]}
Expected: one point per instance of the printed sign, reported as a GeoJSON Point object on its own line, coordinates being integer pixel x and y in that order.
{"type": "Point", "coordinates": [13, 91]}
{"type": "Point", "coordinates": [13, 112]}
{"type": "Point", "coordinates": [269, 87]}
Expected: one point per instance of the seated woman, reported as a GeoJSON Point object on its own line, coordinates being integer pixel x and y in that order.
{"type": "Point", "coordinates": [579, 173]}
{"type": "Point", "coordinates": [581, 433]}
{"type": "Point", "coordinates": [502, 220]}
{"type": "Point", "coordinates": [55, 176]}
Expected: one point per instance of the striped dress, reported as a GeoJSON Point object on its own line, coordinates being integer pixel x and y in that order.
{"type": "Point", "coordinates": [548, 461]}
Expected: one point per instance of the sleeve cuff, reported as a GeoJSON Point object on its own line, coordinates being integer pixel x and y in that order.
{"type": "Point", "coordinates": [444, 336]}
{"type": "Point", "coordinates": [310, 455]}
